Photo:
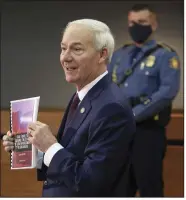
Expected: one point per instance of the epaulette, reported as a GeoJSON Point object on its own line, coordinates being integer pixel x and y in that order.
{"type": "Point", "coordinates": [127, 44]}
{"type": "Point", "coordinates": [166, 46]}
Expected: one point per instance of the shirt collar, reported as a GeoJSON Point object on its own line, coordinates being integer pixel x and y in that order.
{"type": "Point", "coordinates": [86, 88]}
{"type": "Point", "coordinates": [148, 45]}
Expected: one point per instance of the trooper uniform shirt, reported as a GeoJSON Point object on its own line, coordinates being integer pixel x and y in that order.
{"type": "Point", "coordinates": [155, 79]}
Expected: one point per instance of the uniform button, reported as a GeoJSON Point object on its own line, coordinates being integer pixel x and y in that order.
{"type": "Point", "coordinates": [147, 73]}
{"type": "Point", "coordinates": [45, 183]}
{"type": "Point", "coordinates": [126, 84]}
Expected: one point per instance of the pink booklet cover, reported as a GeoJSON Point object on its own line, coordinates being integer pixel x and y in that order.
{"type": "Point", "coordinates": [23, 112]}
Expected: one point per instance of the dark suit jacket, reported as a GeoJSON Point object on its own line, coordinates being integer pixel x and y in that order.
{"type": "Point", "coordinates": [97, 145]}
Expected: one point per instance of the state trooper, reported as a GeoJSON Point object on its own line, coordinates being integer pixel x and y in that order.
{"type": "Point", "coordinates": [149, 73]}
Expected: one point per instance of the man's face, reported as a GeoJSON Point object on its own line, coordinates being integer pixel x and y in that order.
{"type": "Point", "coordinates": [143, 17]}
{"type": "Point", "coordinates": [78, 57]}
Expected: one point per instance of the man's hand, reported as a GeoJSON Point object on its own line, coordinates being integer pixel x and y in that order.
{"type": "Point", "coordinates": [40, 136]}
{"type": "Point", "coordinates": [8, 142]}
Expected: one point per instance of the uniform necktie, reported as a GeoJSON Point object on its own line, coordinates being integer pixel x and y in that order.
{"type": "Point", "coordinates": [135, 53]}
{"type": "Point", "coordinates": [73, 108]}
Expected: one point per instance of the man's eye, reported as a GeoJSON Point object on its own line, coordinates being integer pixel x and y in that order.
{"type": "Point", "coordinates": [77, 49]}
{"type": "Point", "coordinates": [63, 48]}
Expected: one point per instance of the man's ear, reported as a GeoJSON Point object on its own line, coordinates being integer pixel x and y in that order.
{"type": "Point", "coordinates": [154, 22]}
{"type": "Point", "coordinates": [154, 25]}
{"type": "Point", "coordinates": [103, 55]}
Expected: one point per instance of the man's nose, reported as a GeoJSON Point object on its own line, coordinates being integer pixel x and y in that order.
{"type": "Point", "coordinates": [66, 56]}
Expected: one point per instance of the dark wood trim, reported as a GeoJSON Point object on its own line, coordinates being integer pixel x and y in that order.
{"type": "Point", "coordinates": [175, 142]}
{"type": "Point", "coordinates": [178, 110]}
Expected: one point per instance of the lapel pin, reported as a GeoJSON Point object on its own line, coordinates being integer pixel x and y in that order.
{"type": "Point", "coordinates": [82, 110]}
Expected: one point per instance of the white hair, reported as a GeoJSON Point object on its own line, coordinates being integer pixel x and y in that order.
{"type": "Point", "coordinates": [102, 34]}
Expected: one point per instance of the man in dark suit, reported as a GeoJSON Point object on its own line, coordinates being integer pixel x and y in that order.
{"type": "Point", "coordinates": [92, 150]}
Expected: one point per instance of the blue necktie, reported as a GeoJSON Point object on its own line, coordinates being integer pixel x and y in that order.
{"type": "Point", "coordinates": [135, 53]}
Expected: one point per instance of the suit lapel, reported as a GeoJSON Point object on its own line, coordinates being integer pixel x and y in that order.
{"type": "Point", "coordinates": [78, 118]}
{"type": "Point", "coordinates": [83, 110]}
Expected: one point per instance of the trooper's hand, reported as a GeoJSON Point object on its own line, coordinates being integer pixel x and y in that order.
{"type": "Point", "coordinates": [8, 142]}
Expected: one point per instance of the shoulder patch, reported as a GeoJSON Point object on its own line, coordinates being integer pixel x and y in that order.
{"type": "Point", "coordinates": [166, 46]}
{"type": "Point", "coordinates": [174, 63]}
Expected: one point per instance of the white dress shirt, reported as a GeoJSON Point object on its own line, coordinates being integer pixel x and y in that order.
{"type": "Point", "coordinates": [52, 150]}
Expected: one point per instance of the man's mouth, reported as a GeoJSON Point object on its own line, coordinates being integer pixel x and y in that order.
{"type": "Point", "coordinates": [71, 68]}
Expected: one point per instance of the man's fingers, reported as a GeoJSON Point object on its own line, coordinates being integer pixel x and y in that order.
{"type": "Point", "coordinates": [11, 139]}
{"type": "Point", "coordinates": [9, 134]}
{"type": "Point", "coordinates": [8, 138]}
{"type": "Point", "coordinates": [8, 143]}
{"type": "Point", "coordinates": [30, 140]}
{"type": "Point", "coordinates": [39, 123]}
{"type": "Point", "coordinates": [29, 132]}
{"type": "Point", "coordinates": [5, 137]}
{"type": "Point", "coordinates": [9, 148]}
{"type": "Point", "coordinates": [32, 126]}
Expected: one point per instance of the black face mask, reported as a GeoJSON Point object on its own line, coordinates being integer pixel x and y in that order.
{"type": "Point", "coordinates": [140, 33]}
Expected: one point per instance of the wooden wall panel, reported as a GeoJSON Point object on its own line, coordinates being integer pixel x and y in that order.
{"type": "Point", "coordinates": [174, 171]}
{"type": "Point", "coordinates": [175, 129]}
{"type": "Point", "coordinates": [23, 183]}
